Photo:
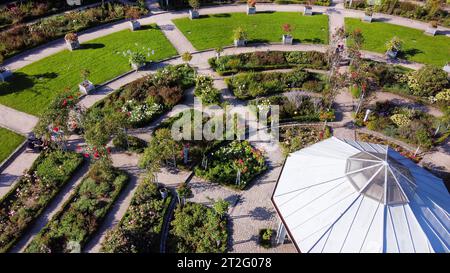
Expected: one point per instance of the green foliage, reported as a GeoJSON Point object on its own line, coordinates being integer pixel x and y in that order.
{"type": "Point", "coordinates": [265, 237]}
{"type": "Point", "coordinates": [83, 213]}
{"type": "Point", "coordinates": [162, 148]}
{"type": "Point", "coordinates": [198, 229]}
{"type": "Point", "coordinates": [224, 164]}
{"type": "Point", "coordinates": [221, 207]}
{"type": "Point", "coordinates": [139, 230]}
{"type": "Point", "coordinates": [428, 81]}
{"type": "Point", "coordinates": [205, 90]}
{"type": "Point", "coordinates": [33, 192]}
{"type": "Point", "coordinates": [294, 138]}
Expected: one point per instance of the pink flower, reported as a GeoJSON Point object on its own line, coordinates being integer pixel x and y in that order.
{"type": "Point", "coordinates": [86, 155]}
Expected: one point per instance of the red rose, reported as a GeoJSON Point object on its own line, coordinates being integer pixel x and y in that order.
{"type": "Point", "coordinates": [86, 155]}
{"type": "Point", "coordinates": [56, 129]}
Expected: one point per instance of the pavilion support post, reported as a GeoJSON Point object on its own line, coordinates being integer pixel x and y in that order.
{"type": "Point", "coordinates": [281, 234]}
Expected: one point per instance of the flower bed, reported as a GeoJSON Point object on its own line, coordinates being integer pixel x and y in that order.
{"type": "Point", "coordinates": [197, 228]}
{"type": "Point", "coordinates": [297, 107]}
{"type": "Point", "coordinates": [130, 143]}
{"type": "Point", "coordinates": [139, 229]}
{"type": "Point", "coordinates": [83, 213]}
{"type": "Point", "coordinates": [294, 138]}
{"type": "Point", "coordinates": [22, 37]}
{"type": "Point", "coordinates": [33, 192]}
{"type": "Point", "coordinates": [406, 9]}
{"type": "Point", "coordinates": [374, 139]}
{"type": "Point", "coordinates": [225, 163]}
{"type": "Point", "coordinates": [266, 60]}
{"type": "Point", "coordinates": [204, 89]}
{"type": "Point", "coordinates": [147, 98]}
{"type": "Point", "coordinates": [406, 124]}
{"type": "Point", "coordinates": [257, 84]}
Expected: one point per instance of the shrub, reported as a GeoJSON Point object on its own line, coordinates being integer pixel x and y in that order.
{"type": "Point", "coordinates": [205, 90]}
{"type": "Point", "coordinates": [427, 81]}
{"type": "Point", "coordinates": [198, 229]}
{"type": "Point", "coordinates": [265, 237]}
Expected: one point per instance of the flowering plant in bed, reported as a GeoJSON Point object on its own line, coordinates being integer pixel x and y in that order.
{"type": "Point", "coordinates": [225, 163]}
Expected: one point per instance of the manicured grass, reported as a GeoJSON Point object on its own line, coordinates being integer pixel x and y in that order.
{"type": "Point", "coordinates": [417, 47]}
{"type": "Point", "coordinates": [34, 86]}
{"type": "Point", "coordinates": [210, 31]}
{"type": "Point", "coordinates": [9, 141]}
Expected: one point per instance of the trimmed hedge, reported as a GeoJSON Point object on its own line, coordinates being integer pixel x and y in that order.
{"type": "Point", "coordinates": [267, 60]}
{"type": "Point", "coordinates": [28, 198]}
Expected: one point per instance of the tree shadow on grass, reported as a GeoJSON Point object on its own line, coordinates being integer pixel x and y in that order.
{"type": "Point", "coordinates": [404, 54]}
{"type": "Point", "coordinates": [221, 15]}
{"type": "Point", "coordinates": [265, 12]}
{"type": "Point", "coordinates": [22, 81]}
{"type": "Point", "coordinates": [310, 41]}
{"type": "Point", "coordinates": [147, 27]}
{"type": "Point", "coordinates": [92, 46]}
{"type": "Point", "coordinates": [258, 41]}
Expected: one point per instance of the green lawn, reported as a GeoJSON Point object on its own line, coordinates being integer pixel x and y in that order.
{"type": "Point", "coordinates": [418, 47]}
{"type": "Point", "coordinates": [34, 86]}
{"type": "Point", "coordinates": [210, 31]}
{"type": "Point", "coordinates": [9, 141]}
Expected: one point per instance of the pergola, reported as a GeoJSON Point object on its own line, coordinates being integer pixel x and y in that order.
{"type": "Point", "coordinates": [348, 196]}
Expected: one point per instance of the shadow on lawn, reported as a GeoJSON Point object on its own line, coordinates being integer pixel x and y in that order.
{"type": "Point", "coordinates": [21, 81]}
{"type": "Point", "coordinates": [404, 54]}
{"type": "Point", "coordinates": [92, 46]}
{"type": "Point", "coordinates": [310, 41]}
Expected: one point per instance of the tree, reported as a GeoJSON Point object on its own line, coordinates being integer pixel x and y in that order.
{"type": "Point", "coordinates": [186, 57]}
{"type": "Point", "coordinates": [195, 4]}
{"type": "Point", "coordinates": [395, 44]}
{"type": "Point", "coordinates": [161, 149]}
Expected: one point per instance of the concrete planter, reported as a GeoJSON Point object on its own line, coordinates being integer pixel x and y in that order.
{"type": "Point", "coordinates": [391, 54]}
{"type": "Point", "coordinates": [136, 66]}
{"type": "Point", "coordinates": [238, 43]}
{"type": "Point", "coordinates": [307, 11]}
{"type": "Point", "coordinates": [288, 39]}
{"type": "Point", "coordinates": [193, 14]}
{"type": "Point", "coordinates": [431, 31]}
{"type": "Point", "coordinates": [4, 73]}
{"type": "Point", "coordinates": [86, 87]}
{"type": "Point", "coordinates": [72, 45]}
{"type": "Point", "coordinates": [251, 10]}
{"type": "Point", "coordinates": [368, 18]}
{"type": "Point", "coordinates": [447, 68]}
{"type": "Point", "coordinates": [134, 25]}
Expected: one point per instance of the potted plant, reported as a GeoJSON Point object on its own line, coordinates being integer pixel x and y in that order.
{"type": "Point", "coordinates": [137, 60]}
{"type": "Point", "coordinates": [72, 41]}
{"type": "Point", "coordinates": [393, 47]}
{"type": "Point", "coordinates": [251, 6]}
{"type": "Point", "coordinates": [218, 50]}
{"type": "Point", "coordinates": [368, 14]}
{"type": "Point", "coordinates": [86, 86]}
{"type": "Point", "coordinates": [240, 37]}
{"type": "Point", "coordinates": [195, 5]}
{"type": "Point", "coordinates": [307, 10]}
{"type": "Point", "coordinates": [133, 14]}
{"type": "Point", "coordinates": [287, 37]}
{"type": "Point", "coordinates": [4, 71]}
{"type": "Point", "coordinates": [432, 29]}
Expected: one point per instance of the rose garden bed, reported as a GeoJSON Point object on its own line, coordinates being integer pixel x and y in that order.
{"type": "Point", "coordinates": [139, 229]}
{"type": "Point", "coordinates": [33, 192]}
{"type": "Point", "coordinates": [256, 84]}
{"type": "Point", "coordinates": [294, 138]}
{"type": "Point", "coordinates": [224, 164]}
{"type": "Point", "coordinates": [266, 60]}
{"type": "Point", "coordinates": [412, 126]}
{"type": "Point", "coordinates": [197, 228]}
{"type": "Point", "coordinates": [80, 217]}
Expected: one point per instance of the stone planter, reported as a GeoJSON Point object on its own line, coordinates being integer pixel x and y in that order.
{"type": "Point", "coordinates": [86, 87]}
{"type": "Point", "coordinates": [193, 14]}
{"type": "Point", "coordinates": [134, 25]}
{"type": "Point", "coordinates": [391, 54]}
{"type": "Point", "coordinates": [251, 10]}
{"type": "Point", "coordinates": [288, 39]}
{"type": "Point", "coordinates": [447, 68]}
{"type": "Point", "coordinates": [238, 43]}
{"type": "Point", "coordinates": [4, 73]}
{"type": "Point", "coordinates": [368, 18]}
{"type": "Point", "coordinates": [72, 45]}
{"type": "Point", "coordinates": [431, 31]}
{"type": "Point", "coordinates": [136, 66]}
{"type": "Point", "coordinates": [307, 11]}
